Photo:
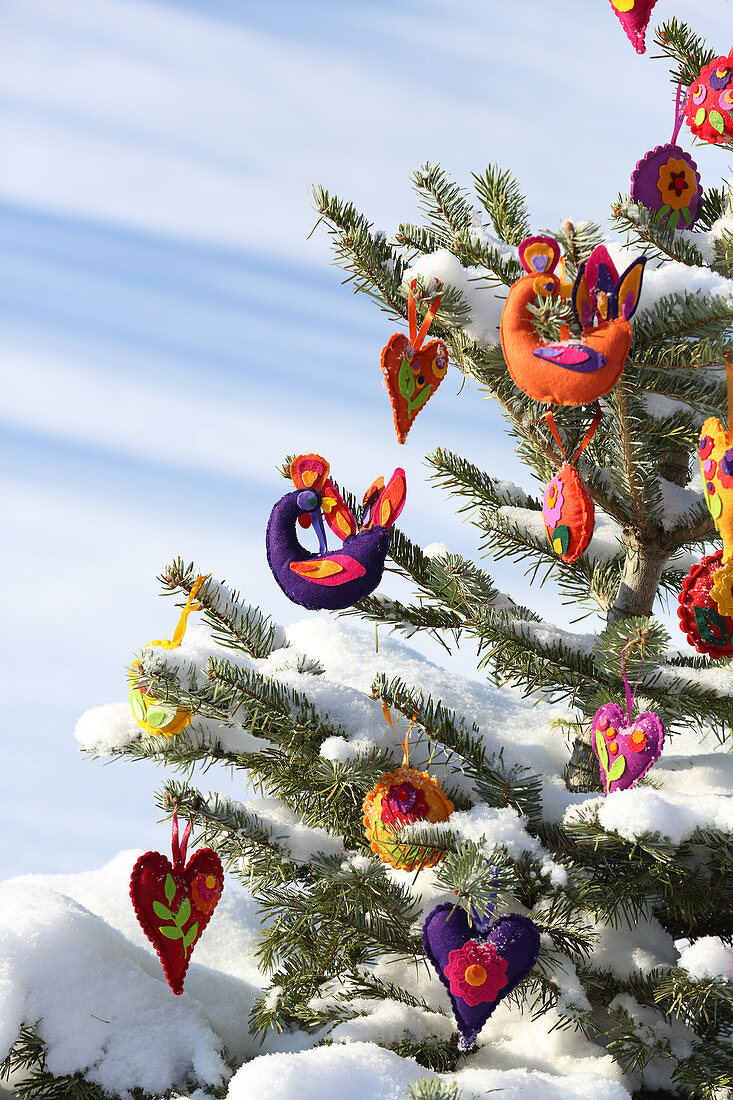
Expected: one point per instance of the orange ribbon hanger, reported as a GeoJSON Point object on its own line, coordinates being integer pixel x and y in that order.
{"type": "Point", "coordinates": [586, 438]}
{"type": "Point", "coordinates": [417, 338]}
{"type": "Point", "coordinates": [181, 628]}
{"type": "Point", "coordinates": [406, 743]}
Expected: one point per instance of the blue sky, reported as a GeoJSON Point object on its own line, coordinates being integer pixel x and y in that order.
{"type": "Point", "coordinates": [170, 331]}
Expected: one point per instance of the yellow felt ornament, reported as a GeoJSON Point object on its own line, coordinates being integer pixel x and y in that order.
{"type": "Point", "coordinates": [151, 714]}
{"type": "Point", "coordinates": [715, 451]}
{"type": "Point", "coordinates": [401, 798]}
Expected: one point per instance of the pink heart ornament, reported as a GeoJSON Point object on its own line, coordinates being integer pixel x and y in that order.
{"type": "Point", "coordinates": [626, 750]}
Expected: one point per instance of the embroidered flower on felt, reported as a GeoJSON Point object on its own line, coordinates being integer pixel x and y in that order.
{"type": "Point", "coordinates": [476, 972]}
{"type": "Point", "coordinates": [552, 503]}
{"type": "Point", "coordinates": [725, 470]}
{"type": "Point", "coordinates": [403, 803]}
{"type": "Point", "coordinates": [720, 78]}
{"type": "Point", "coordinates": [206, 891]}
{"type": "Point", "coordinates": [637, 741]}
{"type": "Point", "coordinates": [705, 446]}
{"type": "Point", "coordinates": [677, 183]}
{"type": "Point", "coordinates": [725, 100]}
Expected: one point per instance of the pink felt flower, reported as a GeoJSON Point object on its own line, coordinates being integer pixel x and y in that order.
{"type": "Point", "coordinates": [476, 972]}
{"type": "Point", "coordinates": [725, 469]}
{"type": "Point", "coordinates": [206, 891]}
{"type": "Point", "coordinates": [403, 804]}
{"type": "Point", "coordinates": [552, 503]}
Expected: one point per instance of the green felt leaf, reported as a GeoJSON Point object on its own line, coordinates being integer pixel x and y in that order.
{"type": "Point", "coordinates": [711, 626]}
{"type": "Point", "coordinates": [561, 538]}
{"type": "Point", "coordinates": [685, 212]}
{"type": "Point", "coordinates": [663, 210]}
{"type": "Point", "coordinates": [183, 913]}
{"type": "Point", "coordinates": [419, 400]}
{"type": "Point", "coordinates": [717, 121]}
{"type": "Point", "coordinates": [170, 888]}
{"type": "Point", "coordinates": [136, 704]}
{"type": "Point", "coordinates": [674, 219]}
{"type": "Point", "coordinates": [700, 116]}
{"type": "Point", "coordinates": [159, 716]}
{"type": "Point", "coordinates": [617, 769]}
{"type": "Point", "coordinates": [602, 750]}
{"type": "Point", "coordinates": [406, 380]}
{"type": "Point", "coordinates": [191, 935]}
{"type": "Point", "coordinates": [715, 504]}
{"type": "Point", "coordinates": [171, 932]}
{"type": "Point", "coordinates": [162, 911]}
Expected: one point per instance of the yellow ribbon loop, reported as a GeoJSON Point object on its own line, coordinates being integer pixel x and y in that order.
{"type": "Point", "coordinates": [181, 628]}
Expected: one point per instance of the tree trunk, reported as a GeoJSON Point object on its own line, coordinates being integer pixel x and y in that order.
{"type": "Point", "coordinates": [639, 581]}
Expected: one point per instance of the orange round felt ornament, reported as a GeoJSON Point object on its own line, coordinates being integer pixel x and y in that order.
{"type": "Point", "coordinates": [567, 508]}
{"type": "Point", "coordinates": [398, 799]}
{"type": "Point", "coordinates": [579, 371]}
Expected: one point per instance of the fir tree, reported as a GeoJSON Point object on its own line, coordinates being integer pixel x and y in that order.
{"type": "Point", "coordinates": [327, 921]}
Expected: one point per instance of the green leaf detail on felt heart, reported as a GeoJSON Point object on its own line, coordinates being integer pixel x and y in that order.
{"type": "Point", "coordinates": [171, 932]}
{"type": "Point", "coordinates": [162, 911]}
{"type": "Point", "coordinates": [414, 406]}
{"type": "Point", "coordinates": [616, 770]}
{"type": "Point", "coordinates": [190, 935]}
{"type": "Point", "coordinates": [711, 626]}
{"type": "Point", "coordinates": [183, 913]}
{"type": "Point", "coordinates": [674, 219]}
{"type": "Point", "coordinates": [406, 380]}
{"type": "Point", "coordinates": [715, 504]}
{"type": "Point", "coordinates": [662, 212]}
{"type": "Point", "coordinates": [685, 212]}
{"type": "Point", "coordinates": [170, 888]}
{"type": "Point", "coordinates": [136, 704]}
{"type": "Point", "coordinates": [717, 121]}
{"type": "Point", "coordinates": [602, 750]}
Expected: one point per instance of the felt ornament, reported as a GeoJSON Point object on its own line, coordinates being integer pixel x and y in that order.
{"type": "Point", "coordinates": [479, 963]}
{"type": "Point", "coordinates": [626, 746]}
{"type": "Point", "coordinates": [710, 102]}
{"type": "Point", "coordinates": [579, 371]}
{"type": "Point", "coordinates": [715, 451]}
{"type": "Point", "coordinates": [567, 509]}
{"type": "Point", "coordinates": [334, 579]}
{"type": "Point", "coordinates": [667, 182]}
{"type": "Point", "coordinates": [700, 618]}
{"type": "Point", "coordinates": [151, 714]}
{"type": "Point", "coordinates": [412, 372]}
{"type": "Point", "coordinates": [174, 901]}
{"type": "Point", "coordinates": [401, 798]}
{"type": "Point", "coordinates": [634, 16]}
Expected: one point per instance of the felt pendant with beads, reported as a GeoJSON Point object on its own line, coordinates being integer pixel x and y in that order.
{"type": "Point", "coordinates": [153, 715]}
{"type": "Point", "coordinates": [413, 372]}
{"type": "Point", "coordinates": [567, 509]}
{"type": "Point", "coordinates": [709, 105]}
{"type": "Point", "coordinates": [174, 901]}
{"type": "Point", "coordinates": [666, 181]}
{"type": "Point", "coordinates": [401, 798]}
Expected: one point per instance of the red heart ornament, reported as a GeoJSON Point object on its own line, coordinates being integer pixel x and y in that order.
{"type": "Point", "coordinates": [174, 904]}
{"type": "Point", "coordinates": [412, 377]}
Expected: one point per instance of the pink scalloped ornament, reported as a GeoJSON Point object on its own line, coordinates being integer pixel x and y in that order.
{"type": "Point", "coordinates": [634, 16]}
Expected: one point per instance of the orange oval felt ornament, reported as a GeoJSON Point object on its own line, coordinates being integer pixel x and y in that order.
{"type": "Point", "coordinates": [398, 799]}
{"type": "Point", "coordinates": [579, 371]}
{"type": "Point", "coordinates": [567, 508]}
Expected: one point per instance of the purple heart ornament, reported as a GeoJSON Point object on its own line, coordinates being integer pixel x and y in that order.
{"type": "Point", "coordinates": [478, 968]}
{"type": "Point", "coordinates": [626, 748]}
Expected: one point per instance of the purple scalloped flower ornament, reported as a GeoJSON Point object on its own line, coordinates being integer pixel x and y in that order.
{"type": "Point", "coordinates": [666, 180]}
{"type": "Point", "coordinates": [478, 963]}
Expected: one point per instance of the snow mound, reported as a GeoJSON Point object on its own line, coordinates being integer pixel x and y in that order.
{"type": "Point", "coordinates": [642, 810]}
{"type": "Point", "coordinates": [95, 999]}
{"type": "Point", "coordinates": [708, 957]}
